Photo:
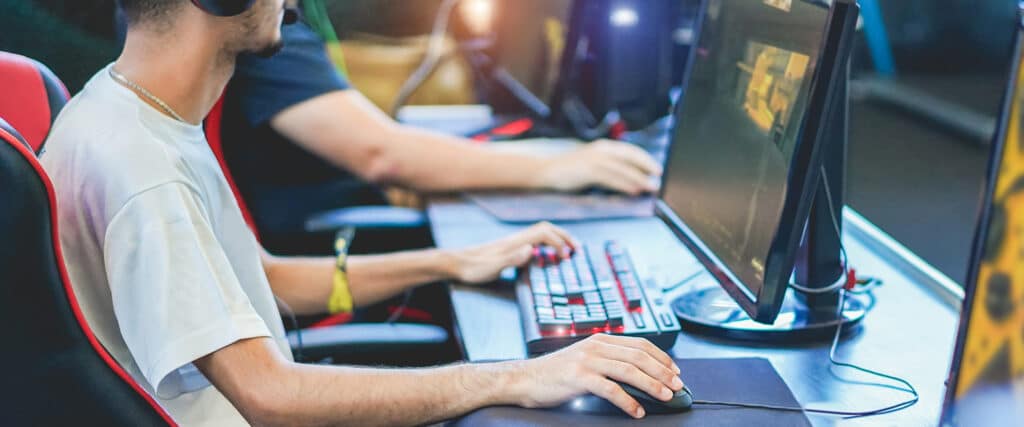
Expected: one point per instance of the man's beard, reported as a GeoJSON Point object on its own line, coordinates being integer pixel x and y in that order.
{"type": "Point", "coordinates": [270, 49]}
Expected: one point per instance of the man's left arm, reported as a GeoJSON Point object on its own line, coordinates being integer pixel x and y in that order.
{"type": "Point", "coordinates": [306, 283]}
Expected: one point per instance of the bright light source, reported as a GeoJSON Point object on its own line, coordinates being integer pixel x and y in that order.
{"type": "Point", "coordinates": [478, 15]}
{"type": "Point", "coordinates": [624, 17]}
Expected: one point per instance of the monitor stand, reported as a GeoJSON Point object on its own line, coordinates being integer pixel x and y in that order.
{"type": "Point", "coordinates": [803, 317]}
{"type": "Point", "coordinates": [712, 311]}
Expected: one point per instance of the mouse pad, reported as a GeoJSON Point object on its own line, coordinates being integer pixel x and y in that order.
{"type": "Point", "coordinates": [746, 380]}
{"type": "Point", "coordinates": [534, 207]}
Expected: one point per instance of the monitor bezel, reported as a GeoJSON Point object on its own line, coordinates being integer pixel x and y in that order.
{"type": "Point", "coordinates": [983, 221]}
{"type": "Point", "coordinates": [781, 257]}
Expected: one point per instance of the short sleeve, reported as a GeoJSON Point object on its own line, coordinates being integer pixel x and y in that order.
{"type": "Point", "coordinates": [264, 87]}
{"type": "Point", "coordinates": [176, 297]}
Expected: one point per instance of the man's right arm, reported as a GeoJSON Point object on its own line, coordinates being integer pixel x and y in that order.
{"type": "Point", "coordinates": [270, 390]}
{"type": "Point", "coordinates": [344, 128]}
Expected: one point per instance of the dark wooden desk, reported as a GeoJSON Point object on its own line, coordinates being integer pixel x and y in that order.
{"type": "Point", "coordinates": [910, 332]}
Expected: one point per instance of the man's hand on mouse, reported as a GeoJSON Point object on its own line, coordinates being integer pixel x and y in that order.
{"type": "Point", "coordinates": [589, 366]}
{"type": "Point", "coordinates": [483, 263]}
{"type": "Point", "coordinates": [614, 165]}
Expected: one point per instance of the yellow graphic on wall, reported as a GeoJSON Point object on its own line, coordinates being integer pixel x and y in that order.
{"type": "Point", "coordinates": [993, 351]}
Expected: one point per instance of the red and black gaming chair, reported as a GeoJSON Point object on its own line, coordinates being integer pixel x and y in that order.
{"type": "Point", "coordinates": [32, 97]}
{"type": "Point", "coordinates": [55, 372]}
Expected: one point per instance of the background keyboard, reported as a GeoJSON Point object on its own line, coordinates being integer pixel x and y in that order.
{"type": "Point", "coordinates": [596, 290]}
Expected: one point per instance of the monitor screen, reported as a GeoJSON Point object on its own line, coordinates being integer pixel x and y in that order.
{"type": "Point", "coordinates": [531, 39]}
{"type": "Point", "coordinates": [987, 385]}
{"type": "Point", "coordinates": [737, 126]}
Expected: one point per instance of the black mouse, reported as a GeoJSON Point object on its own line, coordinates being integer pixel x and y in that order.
{"type": "Point", "coordinates": [681, 401]}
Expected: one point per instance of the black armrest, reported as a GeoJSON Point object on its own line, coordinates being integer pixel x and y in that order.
{"type": "Point", "coordinates": [398, 344]}
{"type": "Point", "coordinates": [384, 217]}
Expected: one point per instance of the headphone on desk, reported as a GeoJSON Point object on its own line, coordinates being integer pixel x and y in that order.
{"type": "Point", "coordinates": [236, 7]}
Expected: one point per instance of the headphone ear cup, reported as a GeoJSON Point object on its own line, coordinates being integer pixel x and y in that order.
{"type": "Point", "coordinates": [224, 7]}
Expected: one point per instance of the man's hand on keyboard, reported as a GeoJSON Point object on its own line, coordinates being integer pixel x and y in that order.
{"type": "Point", "coordinates": [483, 263]}
{"type": "Point", "coordinates": [589, 366]}
{"type": "Point", "coordinates": [614, 165]}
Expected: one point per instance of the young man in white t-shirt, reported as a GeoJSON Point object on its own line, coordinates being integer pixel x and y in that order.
{"type": "Point", "coordinates": [178, 290]}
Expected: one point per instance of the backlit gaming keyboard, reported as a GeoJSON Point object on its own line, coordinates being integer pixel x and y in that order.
{"type": "Point", "coordinates": [596, 290]}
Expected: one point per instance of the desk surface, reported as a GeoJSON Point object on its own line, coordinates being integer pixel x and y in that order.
{"type": "Point", "coordinates": [910, 333]}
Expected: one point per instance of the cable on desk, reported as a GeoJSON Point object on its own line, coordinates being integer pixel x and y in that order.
{"type": "Point", "coordinates": [835, 343]}
{"type": "Point", "coordinates": [832, 359]}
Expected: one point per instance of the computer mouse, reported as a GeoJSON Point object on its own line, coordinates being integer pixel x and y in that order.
{"type": "Point", "coordinates": [681, 401]}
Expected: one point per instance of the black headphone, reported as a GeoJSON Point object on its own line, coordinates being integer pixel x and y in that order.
{"type": "Point", "coordinates": [235, 7]}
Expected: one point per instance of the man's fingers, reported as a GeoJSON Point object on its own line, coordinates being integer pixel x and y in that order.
{"type": "Point", "coordinates": [636, 157]}
{"type": "Point", "coordinates": [644, 361]}
{"type": "Point", "coordinates": [623, 177]}
{"type": "Point", "coordinates": [630, 374]}
{"type": "Point", "coordinates": [613, 393]}
{"type": "Point", "coordinates": [519, 256]}
{"type": "Point", "coordinates": [550, 235]}
{"type": "Point", "coordinates": [643, 345]}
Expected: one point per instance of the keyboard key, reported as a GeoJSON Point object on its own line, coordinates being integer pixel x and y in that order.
{"type": "Point", "coordinates": [638, 320]}
{"type": "Point", "coordinates": [559, 301]}
{"type": "Point", "coordinates": [591, 298]}
{"type": "Point", "coordinates": [611, 297]}
{"type": "Point", "coordinates": [542, 300]}
{"type": "Point", "coordinates": [667, 320]}
{"type": "Point", "coordinates": [554, 325]}
{"type": "Point", "coordinates": [556, 289]}
{"type": "Point", "coordinates": [634, 298]}
{"type": "Point", "coordinates": [627, 281]}
{"type": "Point", "coordinates": [545, 312]}
{"type": "Point", "coordinates": [589, 322]}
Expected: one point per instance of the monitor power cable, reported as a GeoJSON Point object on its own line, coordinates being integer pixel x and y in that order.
{"type": "Point", "coordinates": [909, 388]}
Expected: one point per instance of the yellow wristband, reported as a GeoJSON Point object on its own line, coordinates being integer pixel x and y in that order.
{"type": "Point", "coordinates": [340, 300]}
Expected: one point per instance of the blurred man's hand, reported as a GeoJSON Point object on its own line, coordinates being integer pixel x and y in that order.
{"type": "Point", "coordinates": [613, 165]}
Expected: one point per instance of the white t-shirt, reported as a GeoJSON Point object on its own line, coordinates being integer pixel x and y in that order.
{"type": "Point", "coordinates": [164, 267]}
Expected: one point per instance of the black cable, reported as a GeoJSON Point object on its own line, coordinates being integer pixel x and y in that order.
{"type": "Point", "coordinates": [295, 324]}
{"type": "Point", "coordinates": [832, 353]}
{"type": "Point", "coordinates": [831, 358]}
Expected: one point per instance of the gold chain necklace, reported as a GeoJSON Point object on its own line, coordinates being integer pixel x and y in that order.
{"type": "Point", "coordinates": [138, 89]}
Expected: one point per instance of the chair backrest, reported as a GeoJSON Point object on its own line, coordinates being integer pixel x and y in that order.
{"type": "Point", "coordinates": [212, 127]}
{"type": "Point", "coordinates": [55, 371]}
{"type": "Point", "coordinates": [32, 97]}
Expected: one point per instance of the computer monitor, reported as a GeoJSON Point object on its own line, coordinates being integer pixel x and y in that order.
{"type": "Point", "coordinates": [745, 158]}
{"type": "Point", "coordinates": [986, 382]}
{"type": "Point", "coordinates": [582, 59]}
{"type": "Point", "coordinates": [530, 40]}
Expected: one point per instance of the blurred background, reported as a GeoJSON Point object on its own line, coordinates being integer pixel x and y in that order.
{"type": "Point", "coordinates": [928, 80]}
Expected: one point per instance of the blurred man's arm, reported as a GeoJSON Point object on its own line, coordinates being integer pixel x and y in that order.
{"type": "Point", "coordinates": [344, 128]}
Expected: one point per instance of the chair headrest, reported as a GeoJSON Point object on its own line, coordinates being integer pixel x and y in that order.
{"type": "Point", "coordinates": [33, 96]}
{"type": "Point", "coordinates": [12, 133]}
